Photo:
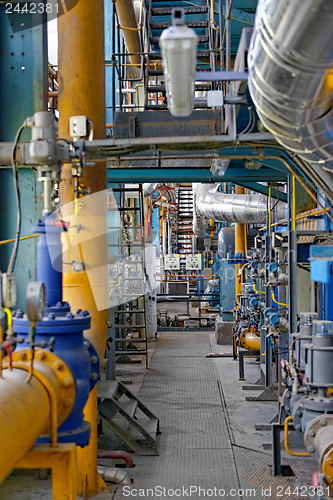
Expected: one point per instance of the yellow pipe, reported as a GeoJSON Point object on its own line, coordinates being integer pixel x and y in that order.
{"type": "Point", "coordinates": [126, 17]}
{"type": "Point", "coordinates": [81, 92]}
{"type": "Point", "coordinates": [254, 288]}
{"type": "Point", "coordinates": [24, 416]}
{"type": "Point", "coordinates": [286, 444]}
{"type": "Point", "coordinates": [30, 409]}
{"type": "Point", "coordinates": [9, 317]}
{"type": "Point", "coordinates": [213, 20]}
{"type": "Point", "coordinates": [240, 246]}
{"type": "Point", "coordinates": [270, 210]}
{"type": "Point", "coordinates": [89, 480]}
{"type": "Point", "coordinates": [294, 203]}
{"type": "Point", "coordinates": [250, 340]}
{"type": "Point", "coordinates": [3, 242]}
{"type": "Point", "coordinates": [276, 302]}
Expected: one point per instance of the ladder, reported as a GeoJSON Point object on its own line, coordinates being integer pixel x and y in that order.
{"type": "Point", "coordinates": [130, 314]}
{"type": "Point", "coordinates": [159, 18]}
{"type": "Point", "coordinates": [128, 417]}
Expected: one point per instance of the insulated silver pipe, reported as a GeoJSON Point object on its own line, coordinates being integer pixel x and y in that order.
{"type": "Point", "coordinates": [148, 188]}
{"type": "Point", "coordinates": [200, 224]}
{"type": "Point", "coordinates": [247, 208]}
{"type": "Point", "coordinates": [289, 60]}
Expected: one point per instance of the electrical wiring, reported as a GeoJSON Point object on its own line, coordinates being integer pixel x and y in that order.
{"type": "Point", "coordinates": [18, 201]}
{"type": "Point", "coordinates": [274, 347]}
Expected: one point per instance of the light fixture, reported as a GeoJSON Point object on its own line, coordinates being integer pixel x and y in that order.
{"type": "Point", "coordinates": [219, 166]}
{"type": "Point", "coordinates": [179, 56]}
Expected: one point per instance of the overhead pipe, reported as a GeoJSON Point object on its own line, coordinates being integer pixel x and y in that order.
{"type": "Point", "coordinates": [239, 208]}
{"type": "Point", "coordinates": [129, 29]}
{"type": "Point", "coordinates": [290, 59]}
{"type": "Point", "coordinates": [149, 188]}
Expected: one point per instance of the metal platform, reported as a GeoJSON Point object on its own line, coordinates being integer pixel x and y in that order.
{"type": "Point", "coordinates": [197, 445]}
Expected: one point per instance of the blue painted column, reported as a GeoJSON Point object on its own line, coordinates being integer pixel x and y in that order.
{"type": "Point", "coordinates": [23, 84]}
{"type": "Point", "coordinates": [111, 76]}
{"type": "Point", "coordinates": [155, 230]}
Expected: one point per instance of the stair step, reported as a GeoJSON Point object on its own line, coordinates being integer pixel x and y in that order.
{"type": "Point", "coordinates": [156, 72]}
{"type": "Point", "coordinates": [149, 426]}
{"type": "Point", "coordinates": [135, 340]}
{"type": "Point", "coordinates": [151, 107]}
{"type": "Point", "coordinates": [130, 243]}
{"type": "Point", "coordinates": [109, 407]}
{"type": "Point", "coordinates": [132, 311]}
{"type": "Point", "coordinates": [107, 389]}
{"type": "Point", "coordinates": [190, 24]}
{"type": "Point", "coordinates": [156, 88]}
{"type": "Point", "coordinates": [120, 327]}
{"type": "Point", "coordinates": [132, 352]}
{"type": "Point", "coordinates": [123, 209]}
{"type": "Point", "coordinates": [164, 11]}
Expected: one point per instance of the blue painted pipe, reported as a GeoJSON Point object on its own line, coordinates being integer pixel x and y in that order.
{"type": "Point", "coordinates": [70, 345]}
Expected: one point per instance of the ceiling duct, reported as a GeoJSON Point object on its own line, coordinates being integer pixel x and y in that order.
{"type": "Point", "coordinates": [290, 77]}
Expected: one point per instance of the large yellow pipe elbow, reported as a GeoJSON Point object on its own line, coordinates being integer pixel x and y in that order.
{"type": "Point", "coordinates": [250, 340]}
{"type": "Point", "coordinates": [32, 403]}
{"type": "Point", "coordinates": [24, 416]}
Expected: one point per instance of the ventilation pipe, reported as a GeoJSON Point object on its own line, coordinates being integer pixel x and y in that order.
{"type": "Point", "coordinates": [149, 188]}
{"type": "Point", "coordinates": [246, 208]}
{"type": "Point", "coordinates": [129, 29]}
{"type": "Point", "coordinates": [290, 82]}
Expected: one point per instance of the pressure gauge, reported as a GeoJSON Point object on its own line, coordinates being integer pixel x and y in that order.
{"type": "Point", "coordinates": [35, 301]}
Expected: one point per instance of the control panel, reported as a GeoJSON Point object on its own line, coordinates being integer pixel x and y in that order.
{"type": "Point", "coordinates": [194, 262]}
{"type": "Point", "coordinates": [172, 262]}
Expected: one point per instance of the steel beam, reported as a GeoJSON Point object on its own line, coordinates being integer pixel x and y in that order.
{"type": "Point", "coordinates": [259, 188]}
{"type": "Point", "coordinates": [190, 175]}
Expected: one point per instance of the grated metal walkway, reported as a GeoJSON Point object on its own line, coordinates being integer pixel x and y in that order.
{"type": "Point", "coordinates": [197, 446]}
{"type": "Point", "coordinates": [195, 450]}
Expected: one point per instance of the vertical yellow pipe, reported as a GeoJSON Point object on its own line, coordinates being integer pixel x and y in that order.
{"type": "Point", "coordinates": [240, 245]}
{"type": "Point", "coordinates": [270, 210]}
{"type": "Point", "coordinates": [294, 203]}
{"type": "Point", "coordinates": [82, 92]}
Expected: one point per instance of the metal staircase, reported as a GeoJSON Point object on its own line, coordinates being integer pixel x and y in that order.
{"type": "Point", "coordinates": [125, 415]}
{"type": "Point", "coordinates": [159, 18]}
{"type": "Point", "coordinates": [185, 220]}
{"type": "Point", "coordinates": [130, 315]}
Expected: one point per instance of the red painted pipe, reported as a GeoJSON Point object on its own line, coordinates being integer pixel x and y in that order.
{"type": "Point", "coordinates": [117, 454]}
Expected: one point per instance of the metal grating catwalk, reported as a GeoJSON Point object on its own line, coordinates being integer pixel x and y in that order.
{"type": "Point", "coordinates": [195, 449]}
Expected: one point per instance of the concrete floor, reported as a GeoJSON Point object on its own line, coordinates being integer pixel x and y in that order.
{"type": "Point", "coordinates": [208, 436]}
